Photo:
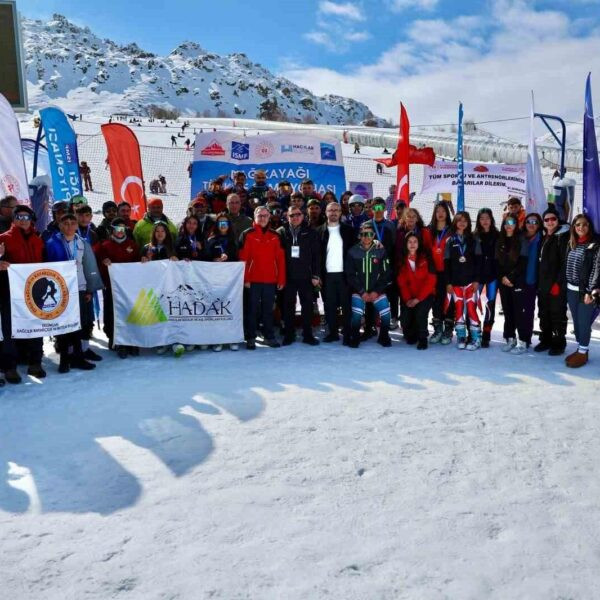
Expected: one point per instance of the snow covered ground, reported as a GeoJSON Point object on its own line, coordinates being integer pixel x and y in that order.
{"type": "Point", "coordinates": [303, 473]}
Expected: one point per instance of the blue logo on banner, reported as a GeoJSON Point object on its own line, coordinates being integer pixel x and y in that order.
{"type": "Point", "coordinates": [286, 148]}
{"type": "Point", "coordinates": [327, 151]}
{"type": "Point", "coordinates": [240, 151]}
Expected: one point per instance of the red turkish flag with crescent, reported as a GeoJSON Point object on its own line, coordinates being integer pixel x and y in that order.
{"type": "Point", "coordinates": [402, 153]}
{"type": "Point", "coordinates": [416, 156]}
{"type": "Point", "coordinates": [125, 164]}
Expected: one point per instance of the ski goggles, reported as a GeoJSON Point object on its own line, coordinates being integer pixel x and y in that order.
{"type": "Point", "coordinates": [119, 228]}
{"type": "Point", "coordinates": [223, 223]}
{"type": "Point", "coordinates": [379, 207]}
{"type": "Point", "coordinates": [23, 217]}
{"type": "Point", "coordinates": [510, 222]}
{"type": "Point", "coordinates": [368, 234]}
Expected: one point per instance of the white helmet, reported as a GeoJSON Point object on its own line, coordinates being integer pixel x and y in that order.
{"type": "Point", "coordinates": [356, 199]}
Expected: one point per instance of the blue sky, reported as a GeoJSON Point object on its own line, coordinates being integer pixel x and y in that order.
{"type": "Point", "coordinates": [428, 53]}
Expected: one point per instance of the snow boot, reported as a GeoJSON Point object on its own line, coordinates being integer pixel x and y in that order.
{"type": "Point", "coordinates": [384, 337]}
{"type": "Point", "coordinates": [438, 331]}
{"type": "Point", "coordinates": [486, 335]}
{"type": "Point", "coordinates": [509, 345]}
{"type": "Point", "coordinates": [63, 365]}
{"type": "Point", "coordinates": [354, 340]}
{"type": "Point", "coordinates": [461, 335]}
{"type": "Point", "coordinates": [475, 342]}
{"type": "Point", "coordinates": [422, 344]}
{"type": "Point", "coordinates": [12, 376]}
{"type": "Point", "coordinates": [448, 330]}
{"type": "Point", "coordinates": [558, 345]}
{"type": "Point", "coordinates": [577, 361]}
{"type": "Point", "coordinates": [519, 348]}
{"type": "Point", "coordinates": [36, 370]}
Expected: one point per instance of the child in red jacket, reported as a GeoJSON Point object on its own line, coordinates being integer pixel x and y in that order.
{"type": "Point", "coordinates": [416, 280]}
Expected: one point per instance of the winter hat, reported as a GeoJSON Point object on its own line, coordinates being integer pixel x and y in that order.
{"type": "Point", "coordinates": [19, 208]}
{"type": "Point", "coordinates": [312, 202]}
{"type": "Point", "coordinates": [79, 199]}
{"type": "Point", "coordinates": [61, 205]}
{"type": "Point", "coordinates": [356, 199]}
{"type": "Point", "coordinates": [155, 202]}
{"type": "Point", "coordinates": [118, 221]}
{"type": "Point", "coordinates": [109, 204]}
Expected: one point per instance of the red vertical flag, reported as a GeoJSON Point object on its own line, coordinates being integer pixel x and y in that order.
{"type": "Point", "coordinates": [125, 165]}
{"type": "Point", "coordinates": [403, 152]}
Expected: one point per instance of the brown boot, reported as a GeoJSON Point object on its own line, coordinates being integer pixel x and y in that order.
{"type": "Point", "coordinates": [578, 360]}
{"type": "Point", "coordinates": [571, 356]}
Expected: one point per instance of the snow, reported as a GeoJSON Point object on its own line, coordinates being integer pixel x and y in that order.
{"type": "Point", "coordinates": [303, 473]}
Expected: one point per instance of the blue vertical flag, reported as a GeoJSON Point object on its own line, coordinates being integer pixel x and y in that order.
{"type": "Point", "coordinates": [460, 183]}
{"type": "Point", "coordinates": [591, 169]}
{"type": "Point", "coordinates": [62, 153]}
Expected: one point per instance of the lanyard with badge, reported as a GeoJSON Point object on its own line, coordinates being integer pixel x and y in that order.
{"type": "Point", "coordinates": [295, 247]}
{"type": "Point", "coordinates": [439, 238]}
{"type": "Point", "coordinates": [462, 247]}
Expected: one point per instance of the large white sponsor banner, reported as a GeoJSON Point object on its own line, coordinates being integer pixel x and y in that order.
{"type": "Point", "coordinates": [13, 177]}
{"type": "Point", "coordinates": [290, 156]}
{"type": "Point", "coordinates": [508, 179]}
{"type": "Point", "coordinates": [44, 299]}
{"type": "Point", "coordinates": [167, 302]}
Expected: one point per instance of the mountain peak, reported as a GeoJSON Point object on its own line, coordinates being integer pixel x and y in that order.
{"type": "Point", "coordinates": [71, 67]}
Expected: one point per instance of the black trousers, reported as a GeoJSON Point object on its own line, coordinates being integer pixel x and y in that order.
{"type": "Point", "coordinates": [109, 315]}
{"type": "Point", "coordinates": [414, 320]}
{"type": "Point", "coordinates": [304, 289]}
{"type": "Point", "coordinates": [336, 295]}
{"type": "Point", "coordinates": [518, 304]}
{"type": "Point", "coordinates": [73, 339]}
{"type": "Point", "coordinates": [260, 298]}
{"type": "Point", "coordinates": [553, 317]}
{"type": "Point", "coordinates": [440, 298]}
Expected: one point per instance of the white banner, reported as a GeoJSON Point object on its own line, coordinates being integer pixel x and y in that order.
{"type": "Point", "coordinates": [167, 302]}
{"type": "Point", "coordinates": [44, 299]}
{"type": "Point", "coordinates": [13, 177]}
{"type": "Point", "coordinates": [508, 180]}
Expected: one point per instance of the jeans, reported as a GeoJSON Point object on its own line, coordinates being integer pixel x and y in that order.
{"type": "Point", "coordinates": [582, 317]}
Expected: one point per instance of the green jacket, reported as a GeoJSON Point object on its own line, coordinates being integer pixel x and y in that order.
{"type": "Point", "coordinates": [142, 232]}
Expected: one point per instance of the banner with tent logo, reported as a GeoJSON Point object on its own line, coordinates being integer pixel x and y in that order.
{"type": "Point", "coordinates": [443, 177]}
{"type": "Point", "coordinates": [292, 157]}
{"type": "Point", "coordinates": [167, 302]}
{"type": "Point", "coordinates": [44, 299]}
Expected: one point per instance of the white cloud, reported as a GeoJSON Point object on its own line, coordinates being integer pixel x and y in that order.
{"type": "Point", "coordinates": [357, 36]}
{"type": "Point", "coordinates": [491, 68]}
{"type": "Point", "coordinates": [321, 38]}
{"type": "Point", "coordinates": [346, 10]}
{"type": "Point", "coordinates": [400, 5]}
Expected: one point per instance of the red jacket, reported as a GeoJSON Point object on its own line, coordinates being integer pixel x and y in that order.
{"type": "Point", "coordinates": [426, 242]}
{"type": "Point", "coordinates": [264, 257]}
{"type": "Point", "coordinates": [125, 252]}
{"type": "Point", "coordinates": [418, 284]}
{"type": "Point", "coordinates": [21, 248]}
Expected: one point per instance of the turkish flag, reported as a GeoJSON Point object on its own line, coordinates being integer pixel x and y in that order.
{"type": "Point", "coordinates": [402, 152]}
{"type": "Point", "coordinates": [125, 164]}
{"type": "Point", "coordinates": [416, 156]}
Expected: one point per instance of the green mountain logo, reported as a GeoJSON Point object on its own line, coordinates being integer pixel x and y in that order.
{"type": "Point", "coordinates": [146, 310]}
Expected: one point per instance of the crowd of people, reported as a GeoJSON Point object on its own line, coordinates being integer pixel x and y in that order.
{"type": "Point", "coordinates": [375, 264]}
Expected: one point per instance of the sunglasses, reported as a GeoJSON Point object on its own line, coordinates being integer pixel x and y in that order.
{"type": "Point", "coordinates": [294, 215]}
{"type": "Point", "coordinates": [550, 219]}
{"type": "Point", "coordinates": [23, 217]}
{"type": "Point", "coordinates": [532, 222]}
{"type": "Point", "coordinates": [275, 211]}
{"type": "Point", "coordinates": [369, 234]}
{"type": "Point", "coordinates": [223, 223]}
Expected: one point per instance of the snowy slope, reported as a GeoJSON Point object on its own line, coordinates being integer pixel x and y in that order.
{"type": "Point", "coordinates": [70, 66]}
{"type": "Point", "coordinates": [304, 473]}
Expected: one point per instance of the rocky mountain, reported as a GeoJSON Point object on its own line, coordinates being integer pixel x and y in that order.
{"type": "Point", "coordinates": [69, 66]}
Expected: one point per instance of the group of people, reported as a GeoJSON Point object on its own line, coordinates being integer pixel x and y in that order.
{"type": "Point", "coordinates": [375, 264]}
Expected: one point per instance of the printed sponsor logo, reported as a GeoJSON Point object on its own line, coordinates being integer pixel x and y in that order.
{"type": "Point", "coordinates": [240, 151]}
{"type": "Point", "coordinates": [46, 294]}
{"type": "Point", "coordinates": [481, 169]}
{"type": "Point", "coordinates": [10, 185]}
{"type": "Point", "coordinates": [146, 310]}
{"type": "Point", "coordinates": [297, 148]}
{"type": "Point", "coordinates": [213, 149]}
{"type": "Point", "coordinates": [327, 151]}
{"type": "Point", "coordinates": [264, 150]}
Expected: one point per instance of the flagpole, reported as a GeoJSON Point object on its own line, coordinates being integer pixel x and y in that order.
{"type": "Point", "coordinates": [460, 200]}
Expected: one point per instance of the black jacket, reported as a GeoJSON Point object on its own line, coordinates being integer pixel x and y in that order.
{"type": "Point", "coordinates": [348, 236]}
{"type": "Point", "coordinates": [511, 262]}
{"type": "Point", "coordinates": [460, 273]}
{"type": "Point", "coordinates": [553, 254]}
{"type": "Point", "coordinates": [308, 264]}
{"type": "Point", "coordinates": [185, 249]}
{"type": "Point", "coordinates": [218, 245]}
{"type": "Point", "coordinates": [367, 270]}
{"type": "Point", "coordinates": [488, 264]}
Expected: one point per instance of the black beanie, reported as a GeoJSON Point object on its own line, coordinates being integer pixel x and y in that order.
{"type": "Point", "coordinates": [24, 208]}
